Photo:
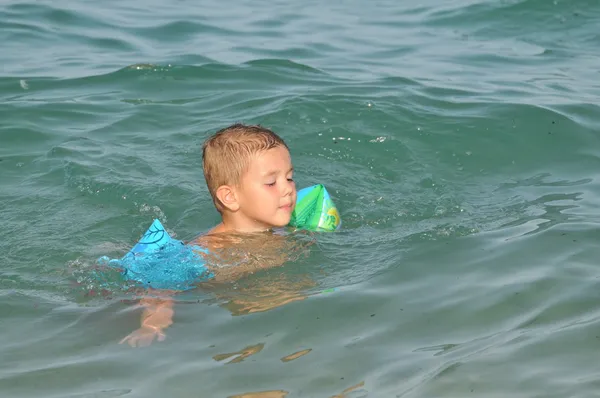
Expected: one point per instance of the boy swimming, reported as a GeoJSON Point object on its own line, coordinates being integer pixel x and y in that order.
{"type": "Point", "coordinates": [249, 174]}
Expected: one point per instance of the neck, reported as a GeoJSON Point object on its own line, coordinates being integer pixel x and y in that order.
{"type": "Point", "coordinates": [232, 223]}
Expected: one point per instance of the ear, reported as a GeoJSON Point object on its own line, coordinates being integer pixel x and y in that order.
{"type": "Point", "coordinates": [228, 197]}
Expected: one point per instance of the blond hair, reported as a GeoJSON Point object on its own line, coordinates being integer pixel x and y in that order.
{"type": "Point", "coordinates": [226, 155]}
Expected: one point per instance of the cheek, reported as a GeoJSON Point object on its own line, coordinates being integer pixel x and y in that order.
{"type": "Point", "coordinates": [270, 192]}
{"type": "Point", "coordinates": [259, 195]}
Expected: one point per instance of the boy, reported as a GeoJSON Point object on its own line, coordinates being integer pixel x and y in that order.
{"type": "Point", "coordinates": [249, 173]}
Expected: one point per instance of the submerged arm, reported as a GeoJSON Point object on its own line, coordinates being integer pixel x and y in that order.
{"type": "Point", "coordinates": [156, 317]}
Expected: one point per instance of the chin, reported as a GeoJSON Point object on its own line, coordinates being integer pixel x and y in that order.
{"type": "Point", "coordinates": [281, 223]}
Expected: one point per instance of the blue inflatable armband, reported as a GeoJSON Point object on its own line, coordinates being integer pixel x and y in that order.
{"type": "Point", "coordinates": [154, 239]}
{"type": "Point", "coordinates": [161, 262]}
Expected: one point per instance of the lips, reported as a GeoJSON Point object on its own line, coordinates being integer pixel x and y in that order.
{"type": "Point", "coordinates": [287, 207]}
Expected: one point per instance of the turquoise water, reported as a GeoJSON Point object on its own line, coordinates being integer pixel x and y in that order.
{"type": "Point", "coordinates": [459, 139]}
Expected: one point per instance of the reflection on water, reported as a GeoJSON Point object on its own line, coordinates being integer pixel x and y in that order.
{"type": "Point", "coordinates": [296, 355]}
{"type": "Point", "coordinates": [263, 293]}
{"type": "Point", "coordinates": [348, 390]}
{"type": "Point", "coordinates": [282, 393]}
{"type": "Point", "coordinates": [241, 354]}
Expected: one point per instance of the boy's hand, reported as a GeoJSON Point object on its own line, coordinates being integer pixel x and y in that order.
{"type": "Point", "coordinates": [144, 336]}
{"type": "Point", "coordinates": [157, 316]}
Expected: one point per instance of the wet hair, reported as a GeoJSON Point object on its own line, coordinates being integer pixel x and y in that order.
{"type": "Point", "coordinates": [226, 155]}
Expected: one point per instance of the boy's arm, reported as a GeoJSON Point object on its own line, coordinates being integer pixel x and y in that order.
{"type": "Point", "coordinates": [156, 317]}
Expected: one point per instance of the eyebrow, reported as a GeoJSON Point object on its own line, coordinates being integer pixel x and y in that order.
{"type": "Point", "coordinates": [272, 172]}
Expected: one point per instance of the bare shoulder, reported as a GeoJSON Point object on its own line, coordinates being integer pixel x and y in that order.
{"type": "Point", "coordinates": [211, 242]}
{"type": "Point", "coordinates": [218, 239]}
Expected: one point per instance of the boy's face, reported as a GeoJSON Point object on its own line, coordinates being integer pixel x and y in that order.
{"type": "Point", "coordinates": [267, 193]}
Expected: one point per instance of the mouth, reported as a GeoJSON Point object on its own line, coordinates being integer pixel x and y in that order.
{"type": "Point", "coordinates": [287, 207]}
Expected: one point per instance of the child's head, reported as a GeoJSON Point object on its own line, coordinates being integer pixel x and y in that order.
{"type": "Point", "coordinates": [248, 171]}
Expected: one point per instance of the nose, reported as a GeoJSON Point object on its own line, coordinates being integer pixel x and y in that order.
{"type": "Point", "coordinates": [288, 188]}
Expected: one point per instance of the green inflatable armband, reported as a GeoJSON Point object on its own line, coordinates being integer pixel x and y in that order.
{"type": "Point", "coordinates": [315, 210]}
